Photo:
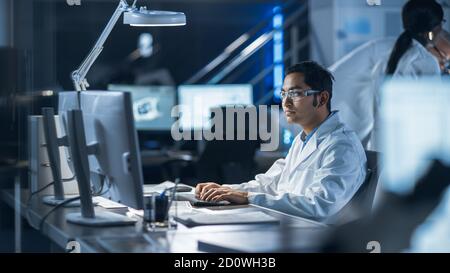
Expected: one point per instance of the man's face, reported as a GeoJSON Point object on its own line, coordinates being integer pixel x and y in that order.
{"type": "Point", "coordinates": [298, 110]}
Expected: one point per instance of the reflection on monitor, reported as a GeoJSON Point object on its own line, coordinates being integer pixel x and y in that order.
{"type": "Point", "coordinates": [197, 100]}
{"type": "Point", "coordinates": [415, 128]}
{"type": "Point", "coordinates": [151, 105]}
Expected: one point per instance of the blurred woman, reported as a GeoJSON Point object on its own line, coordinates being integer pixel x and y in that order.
{"type": "Point", "coordinates": [360, 74]}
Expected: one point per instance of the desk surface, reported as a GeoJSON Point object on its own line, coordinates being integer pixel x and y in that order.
{"type": "Point", "coordinates": [255, 238]}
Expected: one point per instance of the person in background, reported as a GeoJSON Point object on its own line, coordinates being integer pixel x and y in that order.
{"type": "Point", "coordinates": [360, 74]}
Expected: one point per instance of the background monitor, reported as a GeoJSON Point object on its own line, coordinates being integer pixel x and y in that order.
{"type": "Point", "coordinates": [198, 100]}
{"type": "Point", "coordinates": [415, 129]}
{"type": "Point", "coordinates": [152, 105]}
{"type": "Point", "coordinates": [108, 121]}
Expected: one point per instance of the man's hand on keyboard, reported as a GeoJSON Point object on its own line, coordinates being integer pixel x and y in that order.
{"type": "Point", "coordinates": [202, 188]}
{"type": "Point", "coordinates": [217, 194]}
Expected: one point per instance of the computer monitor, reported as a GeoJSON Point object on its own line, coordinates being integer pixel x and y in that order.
{"type": "Point", "coordinates": [415, 129]}
{"type": "Point", "coordinates": [80, 150]}
{"type": "Point", "coordinates": [152, 105]}
{"type": "Point", "coordinates": [104, 147]}
{"type": "Point", "coordinates": [53, 142]}
{"type": "Point", "coordinates": [198, 100]}
{"type": "Point", "coordinates": [116, 162]}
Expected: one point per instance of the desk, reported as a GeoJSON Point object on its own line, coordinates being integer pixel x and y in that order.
{"type": "Point", "coordinates": [182, 239]}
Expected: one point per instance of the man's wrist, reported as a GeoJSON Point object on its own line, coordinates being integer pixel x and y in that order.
{"type": "Point", "coordinates": [251, 196]}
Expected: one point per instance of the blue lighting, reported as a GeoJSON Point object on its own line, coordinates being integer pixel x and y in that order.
{"type": "Point", "coordinates": [278, 36]}
{"type": "Point", "coordinates": [278, 21]}
{"type": "Point", "coordinates": [287, 137]}
{"type": "Point", "coordinates": [278, 76]}
{"type": "Point", "coordinates": [278, 52]}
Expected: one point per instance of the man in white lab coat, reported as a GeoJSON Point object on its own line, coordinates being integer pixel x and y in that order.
{"type": "Point", "coordinates": [325, 166]}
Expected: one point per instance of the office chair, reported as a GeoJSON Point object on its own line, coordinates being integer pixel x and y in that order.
{"type": "Point", "coordinates": [174, 167]}
{"type": "Point", "coordinates": [360, 206]}
{"type": "Point", "coordinates": [228, 161]}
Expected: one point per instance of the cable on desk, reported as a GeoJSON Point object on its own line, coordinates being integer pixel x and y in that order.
{"type": "Point", "coordinates": [27, 209]}
{"type": "Point", "coordinates": [99, 193]}
{"type": "Point", "coordinates": [41, 224]}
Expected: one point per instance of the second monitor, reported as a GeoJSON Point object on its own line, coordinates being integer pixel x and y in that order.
{"type": "Point", "coordinates": [151, 105]}
{"type": "Point", "coordinates": [198, 100]}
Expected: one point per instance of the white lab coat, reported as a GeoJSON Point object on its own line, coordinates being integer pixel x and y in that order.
{"type": "Point", "coordinates": [316, 182]}
{"type": "Point", "coordinates": [415, 63]}
{"type": "Point", "coordinates": [353, 93]}
{"type": "Point", "coordinates": [359, 76]}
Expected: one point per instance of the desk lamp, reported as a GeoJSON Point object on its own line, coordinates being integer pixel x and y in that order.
{"type": "Point", "coordinates": [132, 16]}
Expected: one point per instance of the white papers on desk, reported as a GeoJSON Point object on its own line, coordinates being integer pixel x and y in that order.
{"type": "Point", "coordinates": [200, 219]}
{"type": "Point", "coordinates": [177, 206]}
{"type": "Point", "coordinates": [159, 188]}
{"type": "Point", "coordinates": [106, 203]}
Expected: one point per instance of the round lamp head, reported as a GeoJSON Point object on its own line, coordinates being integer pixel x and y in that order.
{"type": "Point", "coordinates": [152, 18]}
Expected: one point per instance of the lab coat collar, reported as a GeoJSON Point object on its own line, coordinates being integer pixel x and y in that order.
{"type": "Point", "coordinates": [421, 47]}
{"type": "Point", "coordinates": [417, 44]}
{"type": "Point", "coordinates": [328, 126]}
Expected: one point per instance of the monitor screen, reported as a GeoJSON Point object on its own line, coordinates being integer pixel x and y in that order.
{"type": "Point", "coordinates": [152, 105]}
{"type": "Point", "coordinates": [415, 129]}
{"type": "Point", "coordinates": [197, 100]}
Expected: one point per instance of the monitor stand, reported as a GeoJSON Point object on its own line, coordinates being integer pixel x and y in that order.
{"type": "Point", "coordinates": [101, 219]}
{"type": "Point", "coordinates": [52, 143]}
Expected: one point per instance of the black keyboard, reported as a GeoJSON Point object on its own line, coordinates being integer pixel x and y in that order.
{"type": "Point", "coordinates": [200, 203]}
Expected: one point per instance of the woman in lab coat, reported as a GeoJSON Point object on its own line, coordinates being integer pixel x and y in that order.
{"type": "Point", "coordinates": [354, 85]}
{"type": "Point", "coordinates": [360, 74]}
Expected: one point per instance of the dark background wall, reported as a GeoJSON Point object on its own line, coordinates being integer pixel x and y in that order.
{"type": "Point", "coordinates": [50, 39]}
{"type": "Point", "coordinates": [62, 36]}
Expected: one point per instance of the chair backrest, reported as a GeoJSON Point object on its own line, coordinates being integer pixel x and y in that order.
{"type": "Point", "coordinates": [228, 161]}
{"type": "Point", "coordinates": [361, 204]}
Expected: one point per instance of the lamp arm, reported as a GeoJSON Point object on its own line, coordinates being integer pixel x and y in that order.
{"type": "Point", "coordinates": [79, 76]}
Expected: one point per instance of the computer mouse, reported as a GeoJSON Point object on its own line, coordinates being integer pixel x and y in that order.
{"type": "Point", "coordinates": [181, 188]}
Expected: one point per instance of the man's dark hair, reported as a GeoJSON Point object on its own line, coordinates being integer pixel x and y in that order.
{"type": "Point", "coordinates": [316, 76]}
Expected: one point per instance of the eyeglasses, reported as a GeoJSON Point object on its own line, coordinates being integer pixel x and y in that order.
{"type": "Point", "coordinates": [297, 94]}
